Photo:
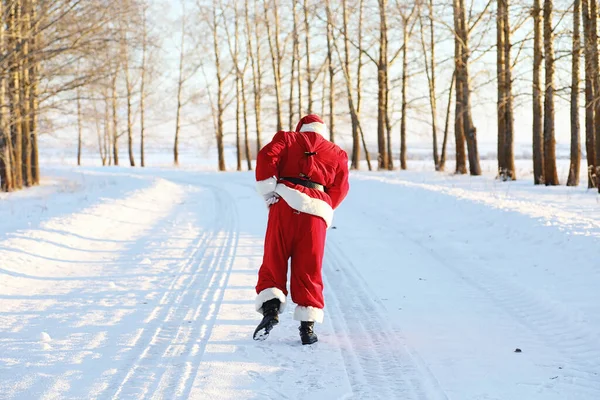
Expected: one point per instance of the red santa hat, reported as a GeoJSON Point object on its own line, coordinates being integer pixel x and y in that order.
{"type": "Point", "coordinates": [312, 123]}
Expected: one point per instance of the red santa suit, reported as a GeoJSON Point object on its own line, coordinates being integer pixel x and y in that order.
{"type": "Point", "coordinates": [303, 177]}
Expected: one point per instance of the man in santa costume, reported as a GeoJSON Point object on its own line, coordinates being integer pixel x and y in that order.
{"type": "Point", "coordinates": [302, 177]}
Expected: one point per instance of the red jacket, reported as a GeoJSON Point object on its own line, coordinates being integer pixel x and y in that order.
{"type": "Point", "coordinates": [286, 156]}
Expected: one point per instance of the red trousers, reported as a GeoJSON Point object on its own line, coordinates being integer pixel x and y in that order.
{"type": "Point", "coordinates": [301, 237]}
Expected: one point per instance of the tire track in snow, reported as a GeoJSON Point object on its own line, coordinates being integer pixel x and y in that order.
{"type": "Point", "coordinates": [378, 361]}
{"type": "Point", "coordinates": [212, 297]}
{"type": "Point", "coordinates": [159, 317]}
{"type": "Point", "coordinates": [173, 348]}
{"type": "Point", "coordinates": [551, 323]}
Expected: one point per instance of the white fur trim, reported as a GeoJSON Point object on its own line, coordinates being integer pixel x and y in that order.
{"type": "Point", "coordinates": [308, 314]}
{"type": "Point", "coordinates": [269, 294]}
{"type": "Point", "coordinates": [315, 127]}
{"type": "Point", "coordinates": [266, 186]}
{"type": "Point", "coordinates": [304, 203]}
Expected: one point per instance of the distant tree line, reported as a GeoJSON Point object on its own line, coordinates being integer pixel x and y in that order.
{"type": "Point", "coordinates": [265, 63]}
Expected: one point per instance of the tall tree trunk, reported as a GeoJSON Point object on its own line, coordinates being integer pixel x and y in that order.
{"type": "Point", "coordinates": [309, 80]}
{"type": "Point", "coordinates": [99, 134]}
{"type": "Point", "coordinates": [388, 126]}
{"type": "Point", "coordinates": [107, 136]}
{"type": "Point", "coordinates": [538, 148]}
{"type": "Point", "coordinates": [34, 77]}
{"type": "Point", "coordinates": [6, 175]}
{"type": "Point", "coordinates": [299, 78]}
{"type": "Point", "coordinates": [238, 77]}
{"type": "Point", "coordinates": [501, 76]}
{"type": "Point", "coordinates": [330, 64]}
{"type": "Point", "coordinates": [115, 129]}
{"type": "Point", "coordinates": [240, 96]}
{"type": "Point", "coordinates": [447, 123]}
{"type": "Point", "coordinates": [220, 95]}
{"type": "Point", "coordinates": [430, 72]}
{"type": "Point", "coordinates": [143, 91]}
{"type": "Point", "coordinates": [382, 88]}
{"type": "Point", "coordinates": [323, 93]}
{"type": "Point", "coordinates": [469, 127]}
{"type": "Point", "coordinates": [359, 65]}
{"type": "Point", "coordinates": [506, 164]}
{"type": "Point", "coordinates": [405, 39]}
{"type": "Point", "coordinates": [256, 72]}
{"type": "Point", "coordinates": [246, 133]}
{"type": "Point", "coordinates": [509, 115]}
{"type": "Point", "coordinates": [238, 142]}
{"type": "Point", "coordinates": [459, 133]}
{"type": "Point", "coordinates": [355, 164]}
{"type": "Point", "coordinates": [275, 58]}
{"type": "Point", "coordinates": [16, 126]}
{"type": "Point", "coordinates": [596, 84]}
{"type": "Point", "coordinates": [359, 62]}
{"type": "Point", "coordinates": [573, 179]}
{"type": "Point", "coordinates": [129, 90]}
{"type": "Point", "coordinates": [293, 64]}
{"type": "Point", "coordinates": [550, 174]}
{"type": "Point", "coordinates": [79, 127]}
{"type": "Point", "coordinates": [180, 81]}
{"type": "Point", "coordinates": [590, 136]}
{"type": "Point", "coordinates": [26, 93]}
{"type": "Point", "coordinates": [345, 64]}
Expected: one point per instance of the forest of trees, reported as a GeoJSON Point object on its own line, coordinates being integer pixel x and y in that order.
{"type": "Point", "coordinates": [377, 68]}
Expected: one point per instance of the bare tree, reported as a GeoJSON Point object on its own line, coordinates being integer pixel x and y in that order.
{"type": "Point", "coordinates": [447, 123]}
{"type": "Point", "coordinates": [143, 87]}
{"type": "Point", "coordinates": [430, 73]}
{"type": "Point", "coordinates": [506, 163]}
{"type": "Point", "coordinates": [128, 82]}
{"type": "Point", "coordinates": [240, 91]}
{"type": "Point", "coordinates": [6, 174]}
{"type": "Point", "coordinates": [382, 88]}
{"type": "Point", "coordinates": [309, 79]}
{"type": "Point", "coordinates": [463, 91]}
{"type": "Point", "coordinates": [255, 63]}
{"type": "Point", "coordinates": [407, 18]}
{"type": "Point", "coordinates": [538, 148]}
{"type": "Point", "coordinates": [573, 179]}
{"type": "Point", "coordinates": [14, 16]}
{"type": "Point", "coordinates": [180, 82]}
{"type": "Point", "coordinates": [590, 73]}
{"type": "Point", "coordinates": [214, 25]}
{"type": "Point", "coordinates": [34, 95]}
{"type": "Point", "coordinates": [331, 68]}
{"type": "Point", "coordinates": [550, 173]}
{"type": "Point", "coordinates": [354, 115]}
{"type": "Point", "coordinates": [26, 92]}
{"type": "Point", "coordinates": [115, 117]}
{"type": "Point", "coordinates": [276, 55]}
{"type": "Point", "coordinates": [596, 82]}
{"type": "Point", "coordinates": [295, 53]}
{"type": "Point", "coordinates": [79, 126]}
{"type": "Point", "coordinates": [459, 116]}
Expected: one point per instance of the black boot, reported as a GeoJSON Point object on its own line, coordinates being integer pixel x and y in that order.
{"type": "Point", "coordinates": [270, 319]}
{"type": "Point", "coordinates": [307, 334]}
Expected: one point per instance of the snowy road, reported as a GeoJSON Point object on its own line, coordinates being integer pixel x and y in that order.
{"type": "Point", "coordinates": [117, 284]}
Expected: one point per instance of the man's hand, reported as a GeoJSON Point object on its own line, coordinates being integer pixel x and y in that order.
{"type": "Point", "coordinates": [271, 198]}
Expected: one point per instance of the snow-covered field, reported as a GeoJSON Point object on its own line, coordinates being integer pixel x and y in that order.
{"type": "Point", "coordinates": [122, 283]}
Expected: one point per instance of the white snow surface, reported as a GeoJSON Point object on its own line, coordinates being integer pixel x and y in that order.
{"type": "Point", "coordinates": [120, 283]}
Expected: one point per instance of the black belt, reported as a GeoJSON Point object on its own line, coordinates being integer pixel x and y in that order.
{"type": "Point", "coordinates": [305, 182]}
